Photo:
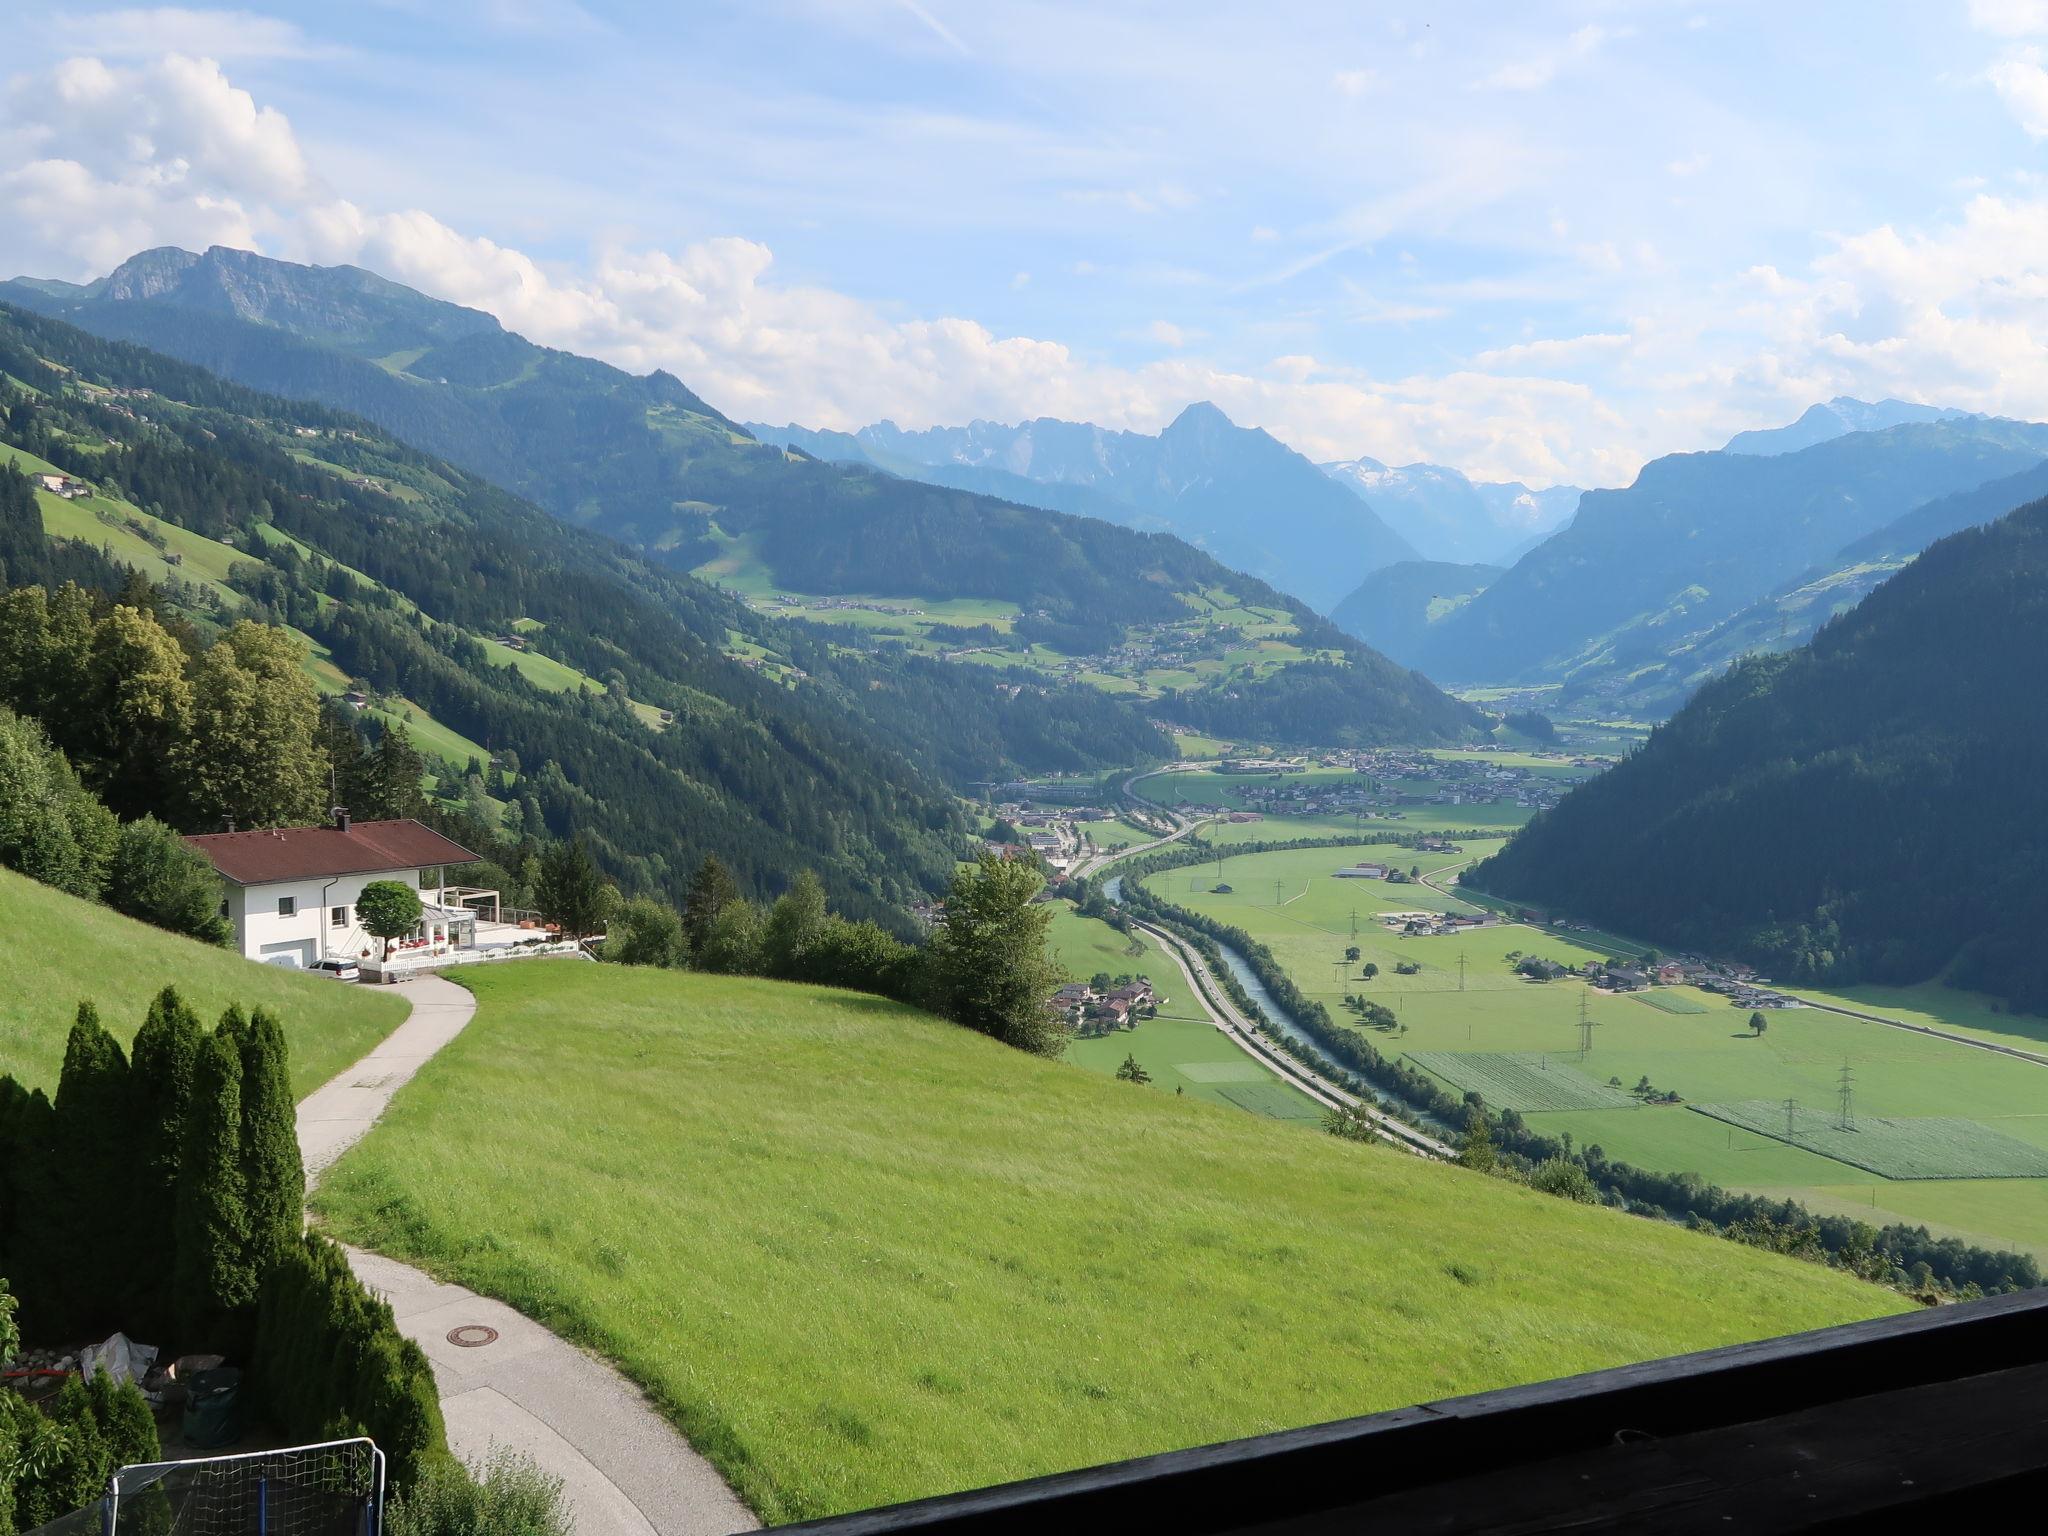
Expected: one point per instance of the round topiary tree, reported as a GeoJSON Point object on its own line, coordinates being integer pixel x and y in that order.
{"type": "Point", "coordinates": [389, 909]}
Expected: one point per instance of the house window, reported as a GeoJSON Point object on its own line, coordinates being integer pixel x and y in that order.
{"type": "Point", "coordinates": [338, 917]}
{"type": "Point", "coordinates": [287, 906]}
{"type": "Point", "coordinates": [223, 906]}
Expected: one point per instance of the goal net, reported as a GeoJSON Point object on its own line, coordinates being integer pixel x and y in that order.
{"type": "Point", "coordinates": [334, 1489]}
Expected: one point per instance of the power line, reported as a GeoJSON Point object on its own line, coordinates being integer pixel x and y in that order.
{"type": "Point", "coordinates": [1845, 1100]}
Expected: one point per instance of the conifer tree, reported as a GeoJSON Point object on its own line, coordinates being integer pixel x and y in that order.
{"type": "Point", "coordinates": [272, 1175]}
{"type": "Point", "coordinates": [712, 888]}
{"type": "Point", "coordinates": [212, 1276]}
{"type": "Point", "coordinates": [166, 1055]}
{"type": "Point", "coordinates": [94, 1144]}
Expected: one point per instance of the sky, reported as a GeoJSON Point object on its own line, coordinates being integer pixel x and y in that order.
{"type": "Point", "coordinates": [1537, 241]}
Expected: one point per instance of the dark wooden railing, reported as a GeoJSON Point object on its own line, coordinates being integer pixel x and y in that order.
{"type": "Point", "coordinates": [1943, 1413]}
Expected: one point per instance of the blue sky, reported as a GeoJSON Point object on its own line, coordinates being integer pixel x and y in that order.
{"type": "Point", "coordinates": [1543, 241]}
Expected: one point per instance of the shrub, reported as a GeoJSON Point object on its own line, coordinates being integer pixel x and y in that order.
{"type": "Point", "coordinates": [645, 932]}
{"type": "Point", "coordinates": [511, 1497]}
{"type": "Point", "coordinates": [329, 1361]}
{"type": "Point", "coordinates": [58, 1458]}
{"type": "Point", "coordinates": [160, 878]}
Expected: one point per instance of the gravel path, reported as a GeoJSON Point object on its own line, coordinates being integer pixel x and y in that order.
{"type": "Point", "coordinates": [624, 1468]}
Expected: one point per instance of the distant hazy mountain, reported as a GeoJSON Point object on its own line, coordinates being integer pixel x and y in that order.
{"type": "Point", "coordinates": [1451, 518]}
{"type": "Point", "coordinates": [1395, 608]}
{"type": "Point", "coordinates": [1700, 536]}
{"type": "Point", "coordinates": [1241, 494]}
{"type": "Point", "coordinates": [1838, 417]}
{"type": "Point", "coordinates": [1829, 807]}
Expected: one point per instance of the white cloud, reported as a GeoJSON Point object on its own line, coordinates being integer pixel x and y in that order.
{"type": "Point", "coordinates": [2022, 84]}
{"type": "Point", "coordinates": [1691, 165]}
{"type": "Point", "coordinates": [1556, 351]}
{"type": "Point", "coordinates": [2010, 18]}
{"type": "Point", "coordinates": [1167, 334]}
{"type": "Point", "coordinates": [1538, 69]}
{"type": "Point", "coordinates": [152, 31]}
{"type": "Point", "coordinates": [1354, 82]}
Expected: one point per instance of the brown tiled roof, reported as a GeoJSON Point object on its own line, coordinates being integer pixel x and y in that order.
{"type": "Point", "coordinates": [319, 853]}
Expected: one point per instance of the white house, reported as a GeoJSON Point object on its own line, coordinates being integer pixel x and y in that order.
{"type": "Point", "coordinates": [1363, 872]}
{"type": "Point", "coordinates": [292, 891]}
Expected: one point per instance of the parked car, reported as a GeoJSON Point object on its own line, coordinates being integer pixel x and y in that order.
{"type": "Point", "coordinates": [340, 970]}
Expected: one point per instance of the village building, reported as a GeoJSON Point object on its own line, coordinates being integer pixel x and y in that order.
{"type": "Point", "coordinates": [292, 891]}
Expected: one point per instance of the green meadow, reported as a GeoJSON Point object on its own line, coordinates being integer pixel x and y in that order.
{"type": "Point", "coordinates": [56, 951]}
{"type": "Point", "coordinates": [861, 1255]}
{"type": "Point", "coordinates": [1681, 1039]}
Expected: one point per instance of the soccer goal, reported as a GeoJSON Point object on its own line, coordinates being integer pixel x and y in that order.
{"type": "Point", "coordinates": [331, 1489]}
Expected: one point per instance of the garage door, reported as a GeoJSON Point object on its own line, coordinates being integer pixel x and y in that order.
{"type": "Point", "coordinates": [298, 954]}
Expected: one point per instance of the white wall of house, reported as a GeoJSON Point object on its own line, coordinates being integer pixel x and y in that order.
{"type": "Point", "coordinates": [320, 924]}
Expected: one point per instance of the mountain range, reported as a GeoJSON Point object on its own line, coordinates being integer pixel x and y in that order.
{"type": "Point", "coordinates": [1237, 492]}
{"type": "Point", "coordinates": [1837, 418]}
{"type": "Point", "coordinates": [1828, 805]}
{"type": "Point", "coordinates": [1454, 520]}
{"type": "Point", "coordinates": [1641, 572]}
{"type": "Point", "coordinates": [646, 461]}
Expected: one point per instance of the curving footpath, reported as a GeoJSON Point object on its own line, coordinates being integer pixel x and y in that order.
{"type": "Point", "coordinates": [624, 1469]}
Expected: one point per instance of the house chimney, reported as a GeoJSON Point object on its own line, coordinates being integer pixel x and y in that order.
{"type": "Point", "coordinates": [341, 818]}
{"type": "Point", "coordinates": [227, 824]}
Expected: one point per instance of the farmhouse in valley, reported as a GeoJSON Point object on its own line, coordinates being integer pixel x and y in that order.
{"type": "Point", "coordinates": [292, 891]}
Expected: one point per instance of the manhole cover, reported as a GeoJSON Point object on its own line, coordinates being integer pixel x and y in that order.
{"type": "Point", "coordinates": [471, 1335]}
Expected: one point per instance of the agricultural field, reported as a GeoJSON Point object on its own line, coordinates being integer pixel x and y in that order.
{"type": "Point", "coordinates": [861, 1255]}
{"type": "Point", "coordinates": [1931, 1147]}
{"type": "Point", "coordinates": [1181, 1048]}
{"type": "Point", "coordinates": [56, 951]}
{"type": "Point", "coordinates": [1522, 1080]}
{"type": "Point", "coordinates": [1683, 1041]}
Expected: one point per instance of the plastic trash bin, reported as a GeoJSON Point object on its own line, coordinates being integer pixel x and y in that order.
{"type": "Point", "coordinates": [213, 1412]}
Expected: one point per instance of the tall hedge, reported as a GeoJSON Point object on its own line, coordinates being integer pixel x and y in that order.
{"type": "Point", "coordinates": [94, 1146]}
{"type": "Point", "coordinates": [330, 1361]}
{"type": "Point", "coordinates": [272, 1174]}
{"type": "Point", "coordinates": [212, 1278]}
{"type": "Point", "coordinates": [161, 1067]}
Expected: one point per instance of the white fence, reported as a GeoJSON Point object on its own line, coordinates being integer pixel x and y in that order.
{"type": "Point", "coordinates": [401, 966]}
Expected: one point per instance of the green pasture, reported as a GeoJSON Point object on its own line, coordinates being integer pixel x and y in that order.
{"type": "Point", "coordinates": [861, 1255]}
{"type": "Point", "coordinates": [1705, 1052]}
{"type": "Point", "coordinates": [1522, 1080]}
{"type": "Point", "coordinates": [56, 951]}
{"type": "Point", "coordinates": [1928, 1147]}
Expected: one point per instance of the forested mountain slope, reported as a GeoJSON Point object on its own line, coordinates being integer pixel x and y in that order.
{"type": "Point", "coordinates": [1700, 536]}
{"type": "Point", "coordinates": [408, 577]}
{"type": "Point", "coordinates": [647, 462]}
{"type": "Point", "coordinates": [1394, 609]}
{"type": "Point", "coordinates": [1791, 613]}
{"type": "Point", "coordinates": [1238, 492]}
{"type": "Point", "coordinates": [1869, 807]}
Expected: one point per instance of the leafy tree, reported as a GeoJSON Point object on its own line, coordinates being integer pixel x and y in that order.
{"type": "Point", "coordinates": [273, 1177]}
{"type": "Point", "coordinates": [1566, 1179]}
{"type": "Point", "coordinates": [1757, 1023]}
{"type": "Point", "coordinates": [645, 932]}
{"type": "Point", "coordinates": [989, 960]}
{"type": "Point", "coordinates": [389, 909]}
{"type": "Point", "coordinates": [253, 753]}
{"type": "Point", "coordinates": [710, 889]}
{"type": "Point", "coordinates": [1351, 953]}
{"type": "Point", "coordinates": [160, 878]}
{"type": "Point", "coordinates": [212, 1277]}
{"type": "Point", "coordinates": [795, 926]}
{"type": "Point", "coordinates": [136, 710]}
{"type": "Point", "coordinates": [1476, 1150]}
{"type": "Point", "coordinates": [732, 944]}
{"type": "Point", "coordinates": [1350, 1123]}
{"type": "Point", "coordinates": [572, 890]}
{"type": "Point", "coordinates": [1371, 970]}
{"type": "Point", "coordinates": [1132, 1071]}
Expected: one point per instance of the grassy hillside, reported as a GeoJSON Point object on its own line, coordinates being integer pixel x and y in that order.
{"type": "Point", "coordinates": [56, 949]}
{"type": "Point", "coordinates": [861, 1255]}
